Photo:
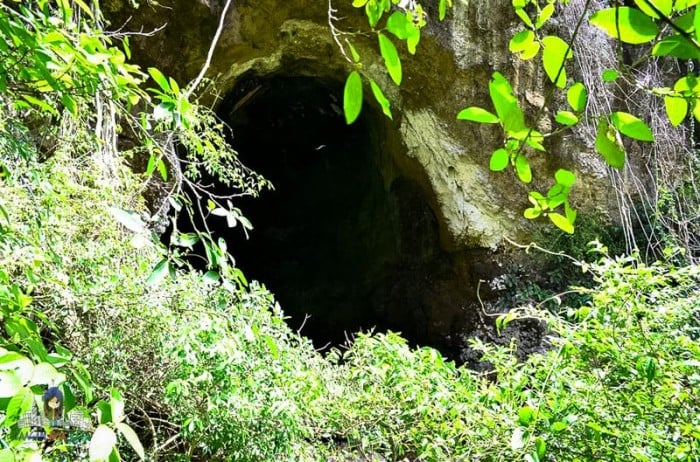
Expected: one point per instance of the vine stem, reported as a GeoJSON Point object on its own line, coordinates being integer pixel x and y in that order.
{"type": "Point", "coordinates": [198, 80]}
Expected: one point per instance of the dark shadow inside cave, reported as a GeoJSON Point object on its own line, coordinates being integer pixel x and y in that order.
{"type": "Point", "coordinates": [345, 241]}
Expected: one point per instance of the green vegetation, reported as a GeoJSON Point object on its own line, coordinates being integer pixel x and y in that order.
{"type": "Point", "coordinates": [171, 363]}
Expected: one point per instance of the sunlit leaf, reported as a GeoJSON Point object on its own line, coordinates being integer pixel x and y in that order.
{"type": "Point", "coordinates": [676, 46]}
{"type": "Point", "coordinates": [158, 273]}
{"type": "Point", "coordinates": [381, 99]}
{"type": "Point", "coordinates": [566, 118]}
{"type": "Point", "coordinates": [631, 126]}
{"type": "Point", "coordinates": [159, 79]}
{"type": "Point", "coordinates": [555, 52]}
{"type": "Point", "coordinates": [522, 168]}
{"type": "Point", "coordinates": [477, 114]}
{"type": "Point", "coordinates": [130, 436]}
{"type": "Point", "coordinates": [10, 384]}
{"type": "Point", "coordinates": [608, 146]}
{"type": "Point", "coordinates": [561, 222]}
{"type": "Point", "coordinates": [565, 177]}
{"type": "Point", "coordinates": [391, 58]}
{"type": "Point", "coordinates": [610, 75]}
{"type": "Point", "coordinates": [546, 13]}
{"type": "Point", "coordinates": [626, 24]}
{"type": "Point", "coordinates": [101, 444]}
{"type": "Point", "coordinates": [352, 97]}
{"type": "Point", "coordinates": [505, 103]}
{"type": "Point", "coordinates": [676, 109]}
{"type": "Point", "coordinates": [130, 220]}
{"type": "Point", "coordinates": [663, 6]}
{"type": "Point", "coordinates": [577, 96]}
{"type": "Point", "coordinates": [499, 160]}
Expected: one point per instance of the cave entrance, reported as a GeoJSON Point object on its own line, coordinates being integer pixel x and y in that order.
{"type": "Point", "coordinates": [344, 240]}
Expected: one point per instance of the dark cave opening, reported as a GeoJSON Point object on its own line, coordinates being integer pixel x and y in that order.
{"type": "Point", "coordinates": [345, 241]}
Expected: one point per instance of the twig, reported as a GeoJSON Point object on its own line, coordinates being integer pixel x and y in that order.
{"type": "Point", "coordinates": [198, 80]}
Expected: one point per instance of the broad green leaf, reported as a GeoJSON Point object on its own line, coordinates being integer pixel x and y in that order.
{"type": "Point", "coordinates": [626, 24]}
{"type": "Point", "coordinates": [162, 169]}
{"type": "Point", "coordinates": [158, 273]}
{"type": "Point", "coordinates": [396, 24]}
{"type": "Point", "coordinates": [577, 96]}
{"type": "Point", "coordinates": [681, 5]}
{"type": "Point", "coordinates": [101, 444]}
{"type": "Point", "coordinates": [374, 12]}
{"type": "Point", "coordinates": [46, 374]}
{"type": "Point", "coordinates": [130, 220]}
{"type": "Point", "coordinates": [546, 13]}
{"type": "Point", "coordinates": [130, 436]}
{"type": "Point", "coordinates": [555, 52]}
{"type": "Point", "coordinates": [10, 384]}
{"type": "Point", "coordinates": [19, 405]}
{"type": "Point", "coordinates": [676, 108]}
{"type": "Point", "coordinates": [566, 118]}
{"type": "Point", "coordinates": [477, 114]}
{"type": "Point", "coordinates": [499, 160]}
{"type": "Point", "coordinates": [676, 46]}
{"type": "Point", "coordinates": [696, 23]}
{"type": "Point", "coordinates": [505, 103]}
{"type": "Point", "coordinates": [559, 426]}
{"type": "Point", "coordinates": [20, 365]}
{"type": "Point", "coordinates": [610, 75]}
{"type": "Point", "coordinates": [82, 376]}
{"type": "Point", "coordinates": [359, 3]}
{"type": "Point", "coordinates": [352, 97]}
{"type": "Point", "coordinates": [391, 58]}
{"type": "Point", "coordinates": [632, 126]}
{"type": "Point", "coordinates": [159, 79]}
{"type": "Point", "coordinates": [649, 7]}
{"type": "Point", "coordinates": [522, 167]}
{"type": "Point", "coordinates": [540, 447]}
{"type": "Point", "coordinates": [69, 102]}
{"type": "Point", "coordinates": [608, 146]}
{"type": "Point", "coordinates": [521, 40]}
{"type": "Point", "coordinates": [561, 222]}
{"type": "Point", "coordinates": [565, 177]}
{"type": "Point", "coordinates": [381, 99]}
{"type": "Point", "coordinates": [6, 455]}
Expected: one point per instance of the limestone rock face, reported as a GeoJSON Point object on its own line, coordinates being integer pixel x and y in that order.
{"type": "Point", "coordinates": [424, 143]}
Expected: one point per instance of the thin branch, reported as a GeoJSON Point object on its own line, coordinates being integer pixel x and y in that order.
{"type": "Point", "coordinates": [195, 83]}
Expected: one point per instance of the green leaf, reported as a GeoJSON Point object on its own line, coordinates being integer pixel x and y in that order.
{"type": "Point", "coordinates": [565, 177]}
{"type": "Point", "coordinates": [577, 96]}
{"type": "Point", "coordinates": [524, 44]}
{"type": "Point", "coordinates": [664, 6]}
{"type": "Point", "coordinates": [546, 13]}
{"type": "Point", "coordinates": [525, 415]}
{"type": "Point", "coordinates": [559, 426]}
{"type": "Point", "coordinates": [442, 8]}
{"type": "Point", "coordinates": [19, 405]}
{"type": "Point", "coordinates": [566, 118]}
{"type": "Point", "coordinates": [532, 213]}
{"type": "Point", "coordinates": [522, 167]}
{"type": "Point", "coordinates": [162, 169]}
{"type": "Point", "coordinates": [354, 53]}
{"type": "Point", "coordinates": [352, 97]}
{"type": "Point", "coordinates": [499, 160]}
{"type": "Point", "coordinates": [159, 79]}
{"type": "Point", "coordinates": [676, 46]}
{"type": "Point", "coordinates": [632, 126]}
{"type": "Point", "coordinates": [561, 222]}
{"type": "Point", "coordinates": [608, 146]}
{"type": "Point", "coordinates": [21, 366]}
{"type": "Point", "coordinates": [69, 103]}
{"type": "Point", "coordinates": [6, 455]}
{"type": "Point", "coordinates": [676, 108]}
{"type": "Point", "coordinates": [10, 384]}
{"type": "Point", "coordinates": [158, 273]}
{"type": "Point", "coordinates": [381, 99]}
{"type": "Point", "coordinates": [556, 51]}
{"type": "Point", "coordinates": [359, 3]}
{"type": "Point", "coordinates": [626, 24]}
{"type": "Point", "coordinates": [477, 114]}
{"type": "Point", "coordinates": [505, 103]}
{"type": "Point", "coordinates": [101, 444]}
{"type": "Point", "coordinates": [130, 436]}
{"type": "Point", "coordinates": [130, 220]}
{"type": "Point", "coordinates": [610, 75]}
{"type": "Point", "coordinates": [116, 405]}
{"type": "Point", "coordinates": [540, 447]}
{"type": "Point", "coordinates": [396, 24]}
{"type": "Point", "coordinates": [522, 14]}
{"type": "Point", "coordinates": [374, 12]}
{"type": "Point", "coordinates": [46, 374]}
{"type": "Point", "coordinates": [391, 58]}
{"type": "Point", "coordinates": [82, 376]}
